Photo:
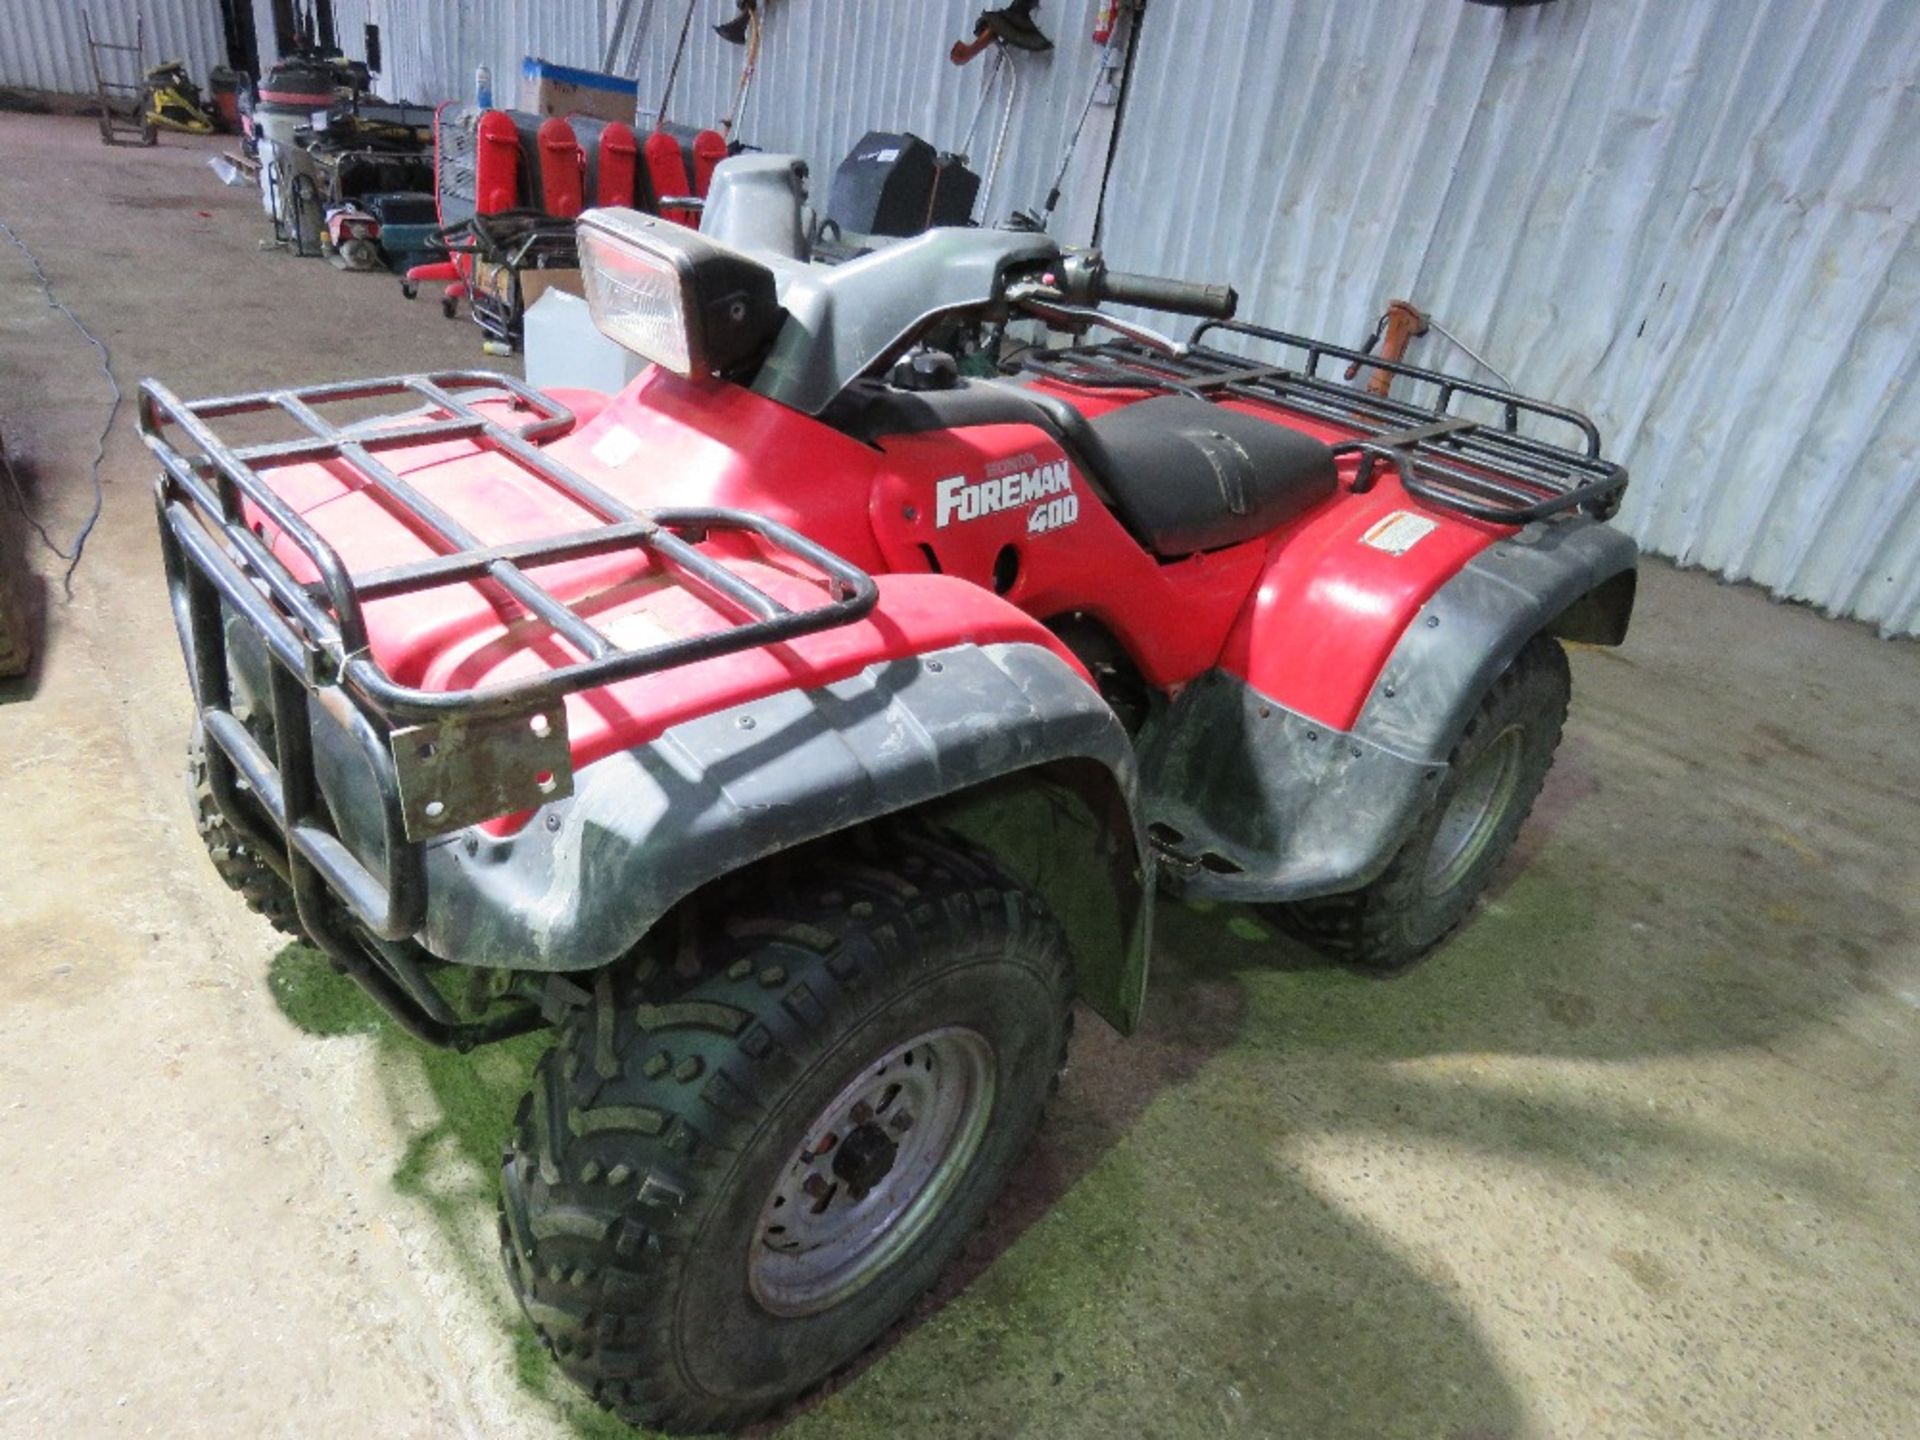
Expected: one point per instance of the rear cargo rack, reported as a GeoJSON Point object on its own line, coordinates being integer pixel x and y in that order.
{"type": "Point", "coordinates": [441, 759]}
{"type": "Point", "coordinates": [1485, 469]}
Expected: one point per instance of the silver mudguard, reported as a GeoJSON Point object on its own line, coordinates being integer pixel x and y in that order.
{"type": "Point", "coordinates": [1272, 805]}
{"type": "Point", "coordinates": [590, 875]}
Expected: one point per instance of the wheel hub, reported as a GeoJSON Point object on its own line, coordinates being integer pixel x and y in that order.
{"type": "Point", "coordinates": [863, 1159]}
{"type": "Point", "coordinates": [1473, 815]}
{"type": "Point", "coordinates": [875, 1169]}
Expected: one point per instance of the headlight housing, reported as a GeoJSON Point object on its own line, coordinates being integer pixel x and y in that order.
{"type": "Point", "coordinates": [673, 296]}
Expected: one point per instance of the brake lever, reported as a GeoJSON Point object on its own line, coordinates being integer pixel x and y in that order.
{"type": "Point", "coordinates": [1081, 317]}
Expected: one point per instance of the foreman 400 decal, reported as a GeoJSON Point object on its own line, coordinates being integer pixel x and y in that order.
{"type": "Point", "coordinates": [1047, 488]}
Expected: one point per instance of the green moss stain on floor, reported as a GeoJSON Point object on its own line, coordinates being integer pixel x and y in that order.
{"type": "Point", "coordinates": [451, 1163]}
{"type": "Point", "coordinates": [1162, 1268]}
{"type": "Point", "coordinates": [319, 1000]}
{"type": "Point", "coordinates": [1164, 1262]}
{"type": "Point", "coordinates": [1158, 1266]}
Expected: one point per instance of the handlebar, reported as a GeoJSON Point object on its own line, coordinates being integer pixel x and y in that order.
{"type": "Point", "coordinates": [1182, 297]}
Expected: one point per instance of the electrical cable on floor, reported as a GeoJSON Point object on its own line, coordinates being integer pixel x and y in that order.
{"type": "Point", "coordinates": [72, 555]}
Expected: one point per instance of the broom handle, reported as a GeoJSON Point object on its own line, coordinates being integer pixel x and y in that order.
{"type": "Point", "coordinates": [746, 73]}
{"type": "Point", "coordinates": [673, 71]}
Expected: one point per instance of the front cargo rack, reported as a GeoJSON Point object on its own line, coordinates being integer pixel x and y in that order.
{"type": "Point", "coordinates": [441, 759]}
{"type": "Point", "coordinates": [1486, 469]}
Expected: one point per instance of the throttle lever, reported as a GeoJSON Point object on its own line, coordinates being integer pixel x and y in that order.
{"type": "Point", "coordinates": [1079, 317]}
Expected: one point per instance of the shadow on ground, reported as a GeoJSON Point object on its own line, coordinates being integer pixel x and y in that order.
{"type": "Point", "coordinates": [1162, 1263]}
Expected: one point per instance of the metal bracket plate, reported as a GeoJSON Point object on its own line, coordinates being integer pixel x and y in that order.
{"type": "Point", "coordinates": [459, 771]}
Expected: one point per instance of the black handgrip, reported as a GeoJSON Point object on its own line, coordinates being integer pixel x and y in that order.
{"type": "Point", "coordinates": [1182, 297]}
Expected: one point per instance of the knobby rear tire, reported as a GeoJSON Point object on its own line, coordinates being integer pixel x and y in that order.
{"type": "Point", "coordinates": [1418, 901]}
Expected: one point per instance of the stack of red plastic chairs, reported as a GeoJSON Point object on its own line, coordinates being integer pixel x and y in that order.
{"type": "Point", "coordinates": [562, 175]}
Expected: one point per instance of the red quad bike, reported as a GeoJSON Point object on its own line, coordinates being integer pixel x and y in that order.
{"type": "Point", "coordinates": [798, 732]}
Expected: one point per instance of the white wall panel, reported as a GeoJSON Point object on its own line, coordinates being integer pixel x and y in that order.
{"type": "Point", "coordinates": [431, 48]}
{"type": "Point", "coordinates": [1695, 221]}
{"type": "Point", "coordinates": [831, 70]}
{"type": "Point", "coordinates": [43, 43]}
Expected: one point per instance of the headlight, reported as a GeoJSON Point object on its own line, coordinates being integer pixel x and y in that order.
{"type": "Point", "coordinates": [673, 296]}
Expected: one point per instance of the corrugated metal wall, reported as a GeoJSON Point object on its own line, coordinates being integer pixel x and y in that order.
{"type": "Point", "coordinates": [1695, 221]}
{"type": "Point", "coordinates": [431, 47]}
{"type": "Point", "coordinates": [830, 72]}
{"type": "Point", "coordinates": [43, 47]}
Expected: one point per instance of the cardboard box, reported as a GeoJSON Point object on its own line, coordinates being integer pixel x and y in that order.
{"type": "Point", "coordinates": [550, 89]}
{"type": "Point", "coordinates": [497, 281]}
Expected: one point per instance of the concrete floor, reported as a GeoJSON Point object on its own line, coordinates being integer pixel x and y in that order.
{"type": "Point", "coordinates": [1635, 1155]}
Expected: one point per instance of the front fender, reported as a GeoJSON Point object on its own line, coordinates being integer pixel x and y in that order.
{"type": "Point", "coordinates": [647, 827]}
{"type": "Point", "coordinates": [1255, 801]}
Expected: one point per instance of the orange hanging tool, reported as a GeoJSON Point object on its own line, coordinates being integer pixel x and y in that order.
{"type": "Point", "coordinates": [1401, 324]}
{"type": "Point", "coordinates": [1012, 24]}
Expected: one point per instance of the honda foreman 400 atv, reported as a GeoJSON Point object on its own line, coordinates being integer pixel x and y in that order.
{"type": "Point", "coordinates": [800, 731]}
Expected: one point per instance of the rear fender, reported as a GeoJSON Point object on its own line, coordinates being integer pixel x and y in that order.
{"type": "Point", "coordinates": [1006, 742]}
{"type": "Point", "coordinates": [1259, 800]}
{"type": "Point", "coordinates": [1573, 579]}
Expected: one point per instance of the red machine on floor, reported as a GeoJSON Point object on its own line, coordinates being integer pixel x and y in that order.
{"type": "Point", "coordinates": [799, 731]}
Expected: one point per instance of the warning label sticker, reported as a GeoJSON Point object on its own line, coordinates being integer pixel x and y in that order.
{"type": "Point", "coordinates": [616, 447]}
{"type": "Point", "coordinates": [1399, 532]}
{"type": "Point", "coordinates": [638, 629]}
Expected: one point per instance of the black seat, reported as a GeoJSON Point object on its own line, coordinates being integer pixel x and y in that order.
{"type": "Point", "coordinates": [1184, 475]}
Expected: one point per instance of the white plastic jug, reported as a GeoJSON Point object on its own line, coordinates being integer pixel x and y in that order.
{"type": "Point", "coordinates": [565, 348]}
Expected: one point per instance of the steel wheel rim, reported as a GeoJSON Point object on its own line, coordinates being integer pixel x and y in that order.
{"type": "Point", "coordinates": [1474, 811]}
{"type": "Point", "coordinates": [845, 1207]}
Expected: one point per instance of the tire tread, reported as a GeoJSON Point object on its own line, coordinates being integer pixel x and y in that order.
{"type": "Point", "coordinates": [822, 942]}
{"type": "Point", "coordinates": [247, 875]}
{"type": "Point", "coordinates": [1365, 928]}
